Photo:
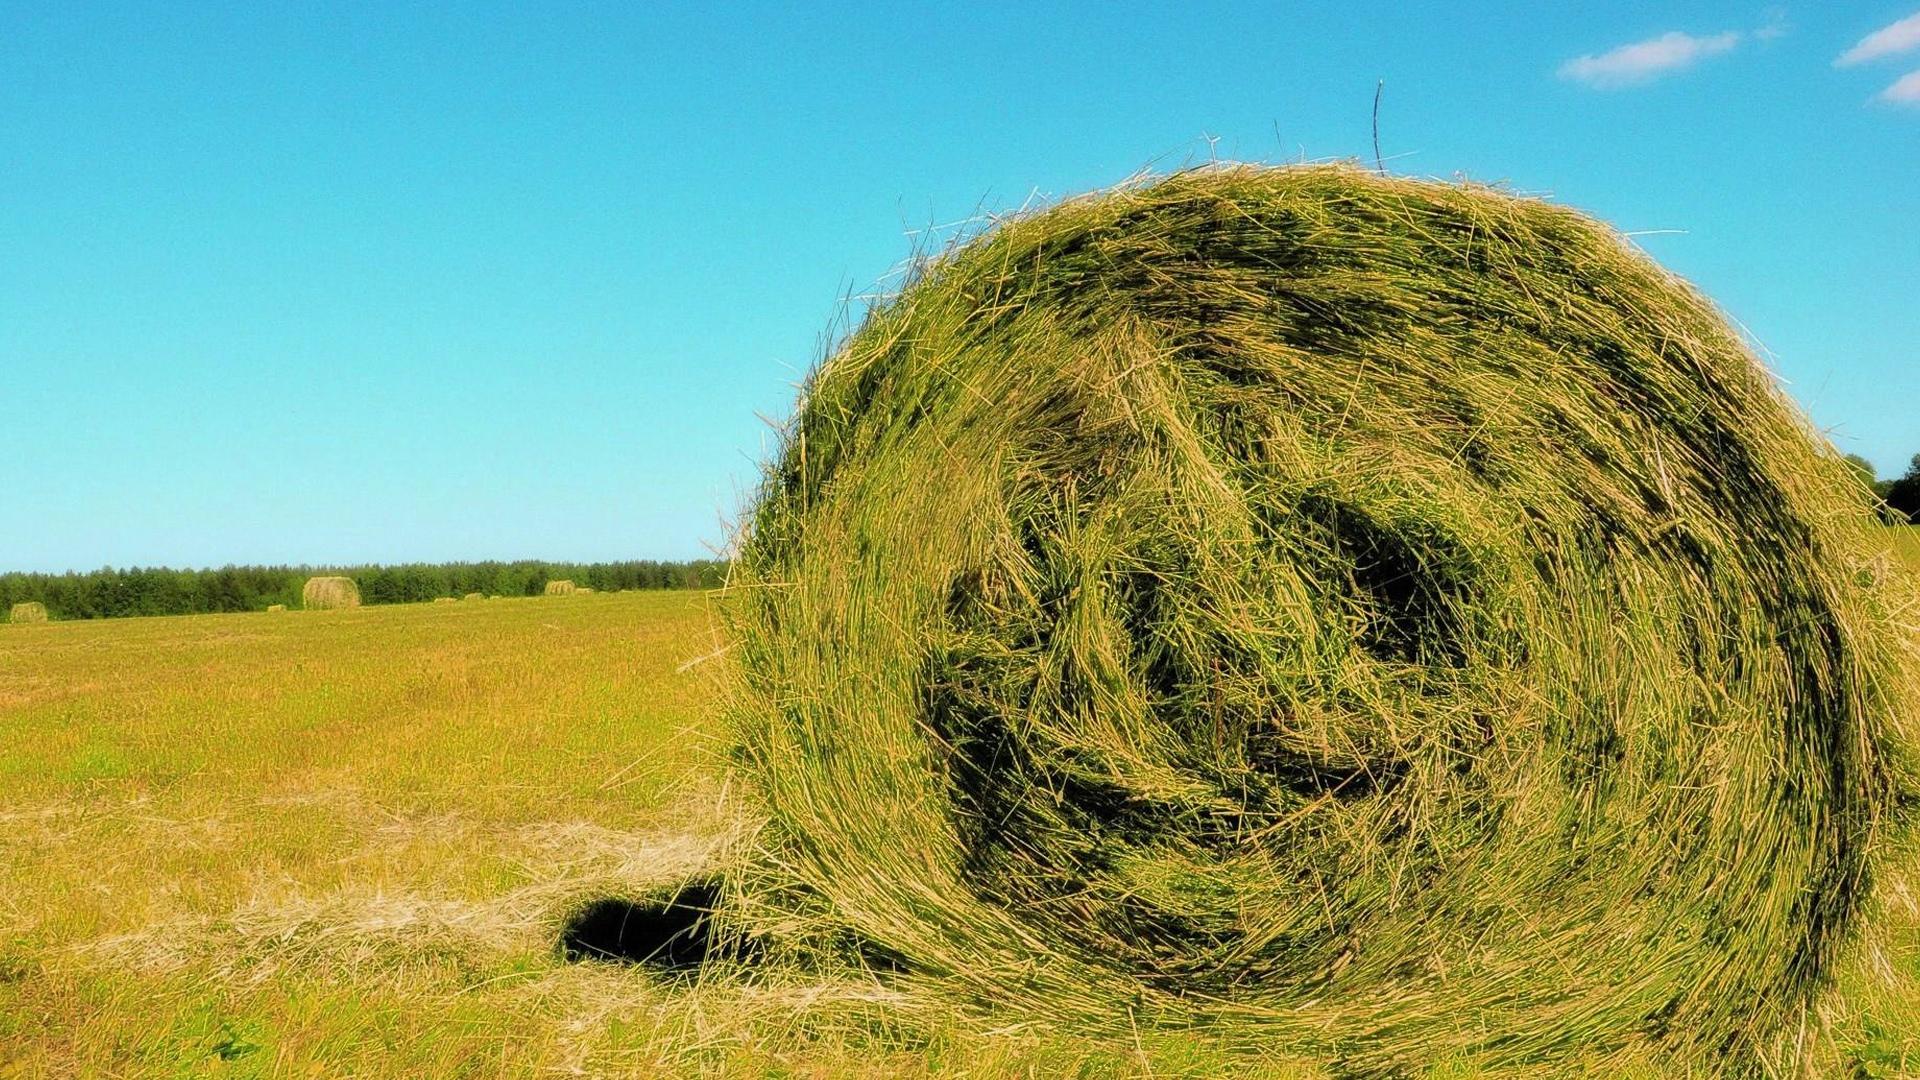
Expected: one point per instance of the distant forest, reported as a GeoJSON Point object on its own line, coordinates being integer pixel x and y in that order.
{"type": "Point", "coordinates": [109, 593]}
{"type": "Point", "coordinates": [1900, 499]}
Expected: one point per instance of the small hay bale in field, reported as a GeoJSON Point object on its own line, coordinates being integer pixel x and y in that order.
{"type": "Point", "coordinates": [475, 596]}
{"type": "Point", "coordinates": [276, 607]}
{"type": "Point", "coordinates": [323, 593]}
{"type": "Point", "coordinates": [27, 611]}
{"type": "Point", "coordinates": [445, 600]}
{"type": "Point", "coordinates": [561, 588]}
{"type": "Point", "coordinates": [1377, 620]}
{"type": "Point", "coordinates": [584, 589]}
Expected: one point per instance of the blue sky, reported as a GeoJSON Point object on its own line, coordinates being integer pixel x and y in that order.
{"type": "Point", "coordinates": [331, 283]}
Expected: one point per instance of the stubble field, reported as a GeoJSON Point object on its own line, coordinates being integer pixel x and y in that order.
{"type": "Point", "coordinates": [345, 843]}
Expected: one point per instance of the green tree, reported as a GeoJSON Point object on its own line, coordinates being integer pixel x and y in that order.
{"type": "Point", "coordinates": [1864, 469]}
{"type": "Point", "coordinates": [1903, 495]}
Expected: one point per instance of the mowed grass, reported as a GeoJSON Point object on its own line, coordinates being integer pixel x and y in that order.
{"type": "Point", "coordinates": [344, 843]}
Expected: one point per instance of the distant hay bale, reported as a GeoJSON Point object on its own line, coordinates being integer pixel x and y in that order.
{"type": "Point", "coordinates": [445, 600]}
{"type": "Point", "coordinates": [561, 588]}
{"type": "Point", "coordinates": [584, 589]}
{"type": "Point", "coordinates": [276, 607]}
{"type": "Point", "coordinates": [1386, 622]}
{"type": "Point", "coordinates": [323, 593]}
{"type": "Point", "coordinates": [27, 611]}
{"type": "Point", "coordinates": [474, 596]}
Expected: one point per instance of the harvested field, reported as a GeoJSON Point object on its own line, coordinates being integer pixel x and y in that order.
{"type": "Point", "coordinates": [349, 846]}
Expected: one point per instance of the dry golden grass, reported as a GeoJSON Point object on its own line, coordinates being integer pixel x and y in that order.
{"type": "Point", "coordinates": [1906, 540]}
{"type": "Point", "coordinates": [241, 846]}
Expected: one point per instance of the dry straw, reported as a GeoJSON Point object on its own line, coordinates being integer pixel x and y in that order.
{"type": "Point", "coordinates": [276, 607]}
{"type": "Point", "coordinates": [329, 592]}
{"type": "Point", "coordinates": [561, 588]}
{"type": "Point", "coordinates": [1377, 620]}
{"type": "Point", "coordinates": [27, 611]}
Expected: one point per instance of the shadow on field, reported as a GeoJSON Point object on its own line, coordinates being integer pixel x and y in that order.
{"type": "Point", "coordinates": [673, 934]}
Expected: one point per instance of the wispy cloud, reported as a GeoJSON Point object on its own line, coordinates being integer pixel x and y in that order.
{"type": "Point", "coordinates": [1889, 40]}
{"type": "Point", "coordinates": [1906, 91]}
{"type": "Point", "coordinates": [1645, 61]}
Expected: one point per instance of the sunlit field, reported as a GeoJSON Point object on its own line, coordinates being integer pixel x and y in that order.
{"type": "Point", "coordinates": [344, 843]}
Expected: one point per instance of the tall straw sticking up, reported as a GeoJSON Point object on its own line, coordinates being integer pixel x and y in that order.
{"type": "Point", "coordinates": [329, 592]}
{"type": "Point", "coordinates": [27, 611]}
{"type": "Point", "coordinates": [1378, 620]}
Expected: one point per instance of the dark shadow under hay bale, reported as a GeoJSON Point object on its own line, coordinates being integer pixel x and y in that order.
{"type": "Point", "coordinates": [675, 934]}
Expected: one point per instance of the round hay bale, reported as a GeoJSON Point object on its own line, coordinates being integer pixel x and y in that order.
{"type": "Point", "coordinates": [276, 607]}
{"type": "Point", "coordinates": [323, 593]}
{"type": "Point", "coordinates": [475, 596]}
{"type": "Point", "coordinates": [27, 611]}
{"type": "Point", "coordinates": [1385, 621]}
{"type": "Point", "coordinates": [561, 588]}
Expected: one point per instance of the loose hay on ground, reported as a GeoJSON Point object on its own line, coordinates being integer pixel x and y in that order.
{"type": "Point", "coordinates": [1379, 620]}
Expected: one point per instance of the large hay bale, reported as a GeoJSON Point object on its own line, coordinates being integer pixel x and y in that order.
{"type": "Point", "coordinates": [1385, 621]}
{"type": "Point", "coordinates": [27, 611]}
{"type": "Point", "coordinates": [561, 588]}
{"type": "Point", "coordinates": [329, 592]}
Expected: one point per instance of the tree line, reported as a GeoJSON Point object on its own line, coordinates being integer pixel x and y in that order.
{"type": "Point", "coordinates": [1900, 497]}
{"type": "Point", "coordinates": [115, 593]}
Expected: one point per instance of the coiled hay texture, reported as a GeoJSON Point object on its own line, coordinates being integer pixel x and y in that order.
{"type": "Point", "coordinates": [1381, 620]}
{"type": "Point", "coordinates": [561, 588]}
{"type": "Point", "coordinates": [27, 611]}
{"type": "Point", "coordinates": [321, 593]}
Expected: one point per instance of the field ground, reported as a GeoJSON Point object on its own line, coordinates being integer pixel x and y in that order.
{"type": "Point", "coordinates": [343, 843]}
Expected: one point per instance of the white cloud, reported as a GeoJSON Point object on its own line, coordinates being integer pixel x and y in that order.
{"type": "Point", "coordinates": [1887, 41]}
{"type": "Point", "coordinates": [1906, 91]}
{"type": "Point", "coordinates": [1644, 61]}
